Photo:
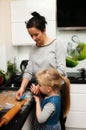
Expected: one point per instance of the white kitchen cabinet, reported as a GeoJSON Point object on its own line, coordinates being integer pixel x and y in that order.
{"type": "Point", "coordinates": [20, 35]}
{"type": "Point", "coordinates": [21, 12]}
{"type": "Point", "coordinates": [21, 9]}
{"type": "Point", "coordinates": [76, 119]}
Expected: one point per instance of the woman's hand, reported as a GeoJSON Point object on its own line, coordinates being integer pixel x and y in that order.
{"type": "Point", "coordinates": [35, 89]}
{"type": "Point", "coordinates": [19, 93]}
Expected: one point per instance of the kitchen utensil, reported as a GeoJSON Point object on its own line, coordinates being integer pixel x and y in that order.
{"type": "Point", "coordinates": [11, 113]}
{"type": "Point", "coordinates": [23, 96]}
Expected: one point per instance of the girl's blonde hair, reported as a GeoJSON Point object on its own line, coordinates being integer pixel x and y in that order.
{"type": "Point", "coordinates": [51, 77]}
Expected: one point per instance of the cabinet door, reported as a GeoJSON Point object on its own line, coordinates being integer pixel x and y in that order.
{"type": "Point", "coordinates": [20, 35]}
{"type": "Point", "coordinates": [77, 115]}
{"type": "Point", "coordinates": [76, 120]}
{"type": "Point", "coordinates": [21, 9]}
{"type": "Point", "coordinates": [21, 12]}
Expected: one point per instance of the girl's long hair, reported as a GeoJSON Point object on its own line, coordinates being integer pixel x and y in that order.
{"type": "Point", "coordinates": [65, 97]}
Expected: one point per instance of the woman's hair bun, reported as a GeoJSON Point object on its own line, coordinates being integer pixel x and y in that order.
{"type": "Point", "coordinates": [35, 14]}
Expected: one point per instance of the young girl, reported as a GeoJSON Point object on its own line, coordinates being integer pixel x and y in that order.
{"type": "Point", "coordinates": [48, 110]}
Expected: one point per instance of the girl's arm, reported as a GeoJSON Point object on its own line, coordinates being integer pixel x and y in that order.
{"type": "Point", "coordinates": [48, 109]}
{"type": "Point", "coordinates": [38, 106]}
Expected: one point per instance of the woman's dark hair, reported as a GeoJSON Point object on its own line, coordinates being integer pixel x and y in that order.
{"type": "Point", "coordinates": [36, 21]}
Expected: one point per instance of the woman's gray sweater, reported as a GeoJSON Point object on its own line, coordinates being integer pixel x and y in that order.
{"type": "Point", "coordinates": [51, 55]}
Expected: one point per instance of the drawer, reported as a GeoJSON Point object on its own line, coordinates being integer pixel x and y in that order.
{"type": "Point", "coordinates": [78, 88]}
{"type": "Point", "coordinates": [78, 102]}
{"type": "Point", "coordinates": [76, 120]}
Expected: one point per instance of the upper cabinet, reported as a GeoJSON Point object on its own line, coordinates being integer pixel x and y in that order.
{"type": "Point", "coordinates": [21, 12]}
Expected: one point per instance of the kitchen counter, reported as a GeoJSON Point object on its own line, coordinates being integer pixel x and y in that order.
{"type": "Point", "coordinates": [18, 121]}
{"type": "Point", "coordinates": [77, 80]}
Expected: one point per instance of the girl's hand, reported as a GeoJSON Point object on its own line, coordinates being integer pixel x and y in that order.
{"type": "Point", "coordinates": [35, 89]}
{"type": "Point", "coordinates": [37, 99]}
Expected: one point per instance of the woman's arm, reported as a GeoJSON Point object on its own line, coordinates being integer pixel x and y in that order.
{"type": "Point", "coordinates": [21, 90]}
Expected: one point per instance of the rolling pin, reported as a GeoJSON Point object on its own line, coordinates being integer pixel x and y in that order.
{"type": "Point", "coordinates": [11, 113]}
